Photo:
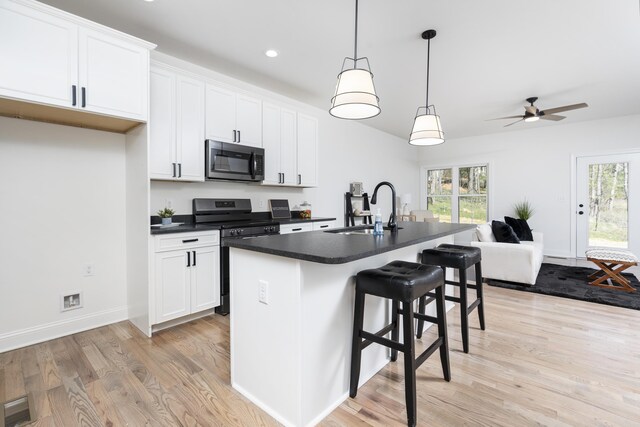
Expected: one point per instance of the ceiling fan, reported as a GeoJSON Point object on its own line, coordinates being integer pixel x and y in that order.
{"type": "Point", "coordinates": [532, 113]}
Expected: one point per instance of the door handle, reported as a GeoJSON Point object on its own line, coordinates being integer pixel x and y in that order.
{"type": "Point", "coordinates": [73, 95]}
{"type": "Point", "coordinates": [194, 258]}
{"type": "Point", "coordinates": [580, 212]}
{"type": "Point", "coordinates": [188, 259]}
{"type": "Point", "coordinates": [299, 179]}
{"type": "Point", "coordinates": [174, 170]}
{"type": "Point", "coordinates": [581, 205]}
{"type": "Point", "coordinates": [253, 165]}
{"type": "Point", "coordinates": [179, 170]}
{"type": "Point", "coordinates": [280, 180]}
{"type": "Point", "coordinates": [234, 135]}
{"type": "Point", "coordinates": [84, 97]}
{"type": "Point", "coordinates": [239, 137]}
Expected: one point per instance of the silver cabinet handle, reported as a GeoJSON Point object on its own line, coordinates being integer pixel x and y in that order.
{"type": "Point", "coordinates": [174, 169]}
{"type": "Point", "coordinates": [296, 229]}
{"type": "Point", "coordinates": [73, 96]}
{"type": "Point", "coordinates": [84, 97]}
{"type": "Point", "coordinates": [234, 135]}
{"type": "Point", "coordinates": [239, 137]}
{"type": "Point", "coordinates": [179, 170]}
{"type": "Point", "coordinates": [299, 179]}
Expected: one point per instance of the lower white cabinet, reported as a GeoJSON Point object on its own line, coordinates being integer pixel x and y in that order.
{"type": "Point", "coordinates": [296, 228]}
{"type": "Point", "coordinates": [186, 280]}
{"type": "Point", "coordinates": [323, 225]}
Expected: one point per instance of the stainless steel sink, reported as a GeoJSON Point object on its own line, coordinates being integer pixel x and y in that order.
{"type": "Point", "coordinates": [362, 230]}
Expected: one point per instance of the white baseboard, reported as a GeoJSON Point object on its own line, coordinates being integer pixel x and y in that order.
{"type": "Point", "coordinates": [48, 331]}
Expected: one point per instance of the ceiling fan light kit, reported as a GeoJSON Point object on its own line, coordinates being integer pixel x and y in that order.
{"type": "Point", "coordinates": [355, 97]}
{"type": "Point", "coordinates": [533, 114]}
{"type": "Point", "coordinates": [427, 129]}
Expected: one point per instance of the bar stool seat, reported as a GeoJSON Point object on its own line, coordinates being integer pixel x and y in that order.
{"type": "Point", "coordinates": [401, 282]}
{"type": "Point", "coordinates": [460, 258]}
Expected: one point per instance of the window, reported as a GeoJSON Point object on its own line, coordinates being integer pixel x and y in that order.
{"type": "Point", "coordinates": [458, 194]}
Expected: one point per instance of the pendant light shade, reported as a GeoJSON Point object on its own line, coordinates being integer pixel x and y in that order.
{"type": "Point", "coordinates": [355, 97]}
{"type": "Point", "coordinates": [427, 129]}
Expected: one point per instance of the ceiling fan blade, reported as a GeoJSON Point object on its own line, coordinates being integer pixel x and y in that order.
{"type": "Point", "coordinates": [518, 121]}
{"type": "Point", "coordinates": [553, 117]}
{"type": "Point", "coordinates": [508, 117]}
{"type": "Point", "coordinates": [565, 108]}
{"type": "Point", "coordinates": [531, 109]}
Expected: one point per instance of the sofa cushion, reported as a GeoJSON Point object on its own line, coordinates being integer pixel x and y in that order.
{"type": "Point", "coordinates": [520, 227]}
{"type": "Point", "coordinates": [503, 232]}
{"type": "Point", "coordinates": [484, 233]}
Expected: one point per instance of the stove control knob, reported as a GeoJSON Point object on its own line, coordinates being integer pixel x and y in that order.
{"type": "Point", "coordinates": [232, 232]}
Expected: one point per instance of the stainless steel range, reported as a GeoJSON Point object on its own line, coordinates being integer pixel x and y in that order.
{"type": "Point", "coordinates": [236, 221]}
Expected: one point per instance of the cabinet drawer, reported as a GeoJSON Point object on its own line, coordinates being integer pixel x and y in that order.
{"type": "Point", "coordinates": [295, 228]}
{"type": "Point", "coordinates": [324, 225]}
{"type": "Point", "coordinates": [176, 241]}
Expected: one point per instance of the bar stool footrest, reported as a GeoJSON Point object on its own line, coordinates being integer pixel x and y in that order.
{"type": "Point", "coordinates": [379, 338]}
{"type": "Point", "coordinates": [429, 351]}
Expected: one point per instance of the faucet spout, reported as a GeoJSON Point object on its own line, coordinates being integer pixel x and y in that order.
{"type": "Point", "coordinates": [393, 225]}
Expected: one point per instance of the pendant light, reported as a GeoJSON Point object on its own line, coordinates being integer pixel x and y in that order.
{"type": "Point", "coordinates": [426, 126]}
{"type": "Point", "coordinates": [355, 96]}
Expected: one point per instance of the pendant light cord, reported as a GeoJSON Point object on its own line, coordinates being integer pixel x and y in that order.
{"type": "Point", "coordinates": [355, 46]}
{"type": "Point", "coordinates": [428, 54]}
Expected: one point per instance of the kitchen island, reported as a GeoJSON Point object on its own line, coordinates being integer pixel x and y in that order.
{"type": "Point", "coordinates": [292, 302]}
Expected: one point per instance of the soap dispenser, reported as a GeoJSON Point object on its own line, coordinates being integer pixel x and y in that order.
{"type": "Point", "coordinates": [377, 226]}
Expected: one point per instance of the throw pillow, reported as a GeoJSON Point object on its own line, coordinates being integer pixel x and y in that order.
{"type": "Point", "coordinates": [484, 233]}
{"type": "Point", "coordinates": [520, 227]}
{"type": "Point", "coordinates": [503, 232]}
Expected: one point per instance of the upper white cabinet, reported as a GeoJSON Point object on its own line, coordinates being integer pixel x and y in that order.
{"type": "Point", "coordinates": [53, 58]}
{"type": "Point", "coordinates": [113, 75]}
{"type": "Point", "coordinates": [176, 126]}
{"type": "Point", "coordinates": [307, 151]}
{"type": "Point", "coordinates": [279, 141]}
{"type": "Point", "coordinates": [233, 117]}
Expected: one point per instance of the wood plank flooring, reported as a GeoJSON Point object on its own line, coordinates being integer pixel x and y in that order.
{"type": "Point", "coordinates": [542, 361]}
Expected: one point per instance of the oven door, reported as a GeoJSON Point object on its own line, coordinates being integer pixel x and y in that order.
{"type": "Point", "coordinates": [234, 162]}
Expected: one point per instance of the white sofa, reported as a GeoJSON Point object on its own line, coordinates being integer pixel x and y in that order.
{"type": "Point", "coordinates": [511, 261]}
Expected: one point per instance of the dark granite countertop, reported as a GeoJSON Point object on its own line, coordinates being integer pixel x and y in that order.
{"type": "Point", "coordinates": [189, 226]}
{"type": "Point", "coordinates": [328, 247]}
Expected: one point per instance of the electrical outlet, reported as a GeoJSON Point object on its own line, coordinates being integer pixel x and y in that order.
{"type": "Point", "coordinates": [263, 291]}
{"type": "Point", "coordinates": [71, 301]}
{"type": "Point", "coordinates": [261, 203]}
{"type": "Point", "coordinates": [89, 270]}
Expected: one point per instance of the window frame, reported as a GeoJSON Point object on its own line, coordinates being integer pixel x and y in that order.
{"type": "Point", "coordinates": [455, 184]}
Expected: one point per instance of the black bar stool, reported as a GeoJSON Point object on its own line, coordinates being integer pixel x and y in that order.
{"type": "Point", "coordinates": [460, 258]}
{"type": "Point", "coordinates": [401, 282]}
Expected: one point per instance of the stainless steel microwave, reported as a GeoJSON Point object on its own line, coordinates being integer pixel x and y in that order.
{"type": "Point", "coordinates": [233, 162]}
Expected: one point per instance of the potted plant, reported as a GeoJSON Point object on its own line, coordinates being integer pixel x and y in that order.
{"type": "Point", "coordinates": [165, 215]}
{"type": "Point", "coordinates": [524, 210]}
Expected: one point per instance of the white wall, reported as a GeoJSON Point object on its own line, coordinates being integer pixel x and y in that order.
{"type": "Point", "coordinates": [62, 194]}
{"type": "Point", "coordinates": [538, 163]}
{"type": "Point", "coordinates": [348, 151]}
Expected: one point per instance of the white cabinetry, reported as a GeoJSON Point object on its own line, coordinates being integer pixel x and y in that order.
{"type": "Point", "coordinates": [186, 274]}
{"type": "Point", "coordinates": [307, 151]}
{"type": "Point", "coordinates": [233, 117]}
{"type": "Point", "coordinates": [323, 225]}
{"type": "Point", "coordinates": [54, 58]}
{"type": "Point", "coordinates": [296, 228]}
{"type": "Point", "coordinates": [290, 141]}
{"type": "Point", "coordinates": [176, 126]}
{"type": "Point", "coordinates": [279, 140]}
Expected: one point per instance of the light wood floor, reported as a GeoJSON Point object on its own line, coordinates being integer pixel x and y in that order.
{"type": "Point", "coordinates": [542, 361]}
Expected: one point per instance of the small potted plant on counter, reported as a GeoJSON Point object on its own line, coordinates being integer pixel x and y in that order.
{"type": "Point", "coordinates": [165, 215]}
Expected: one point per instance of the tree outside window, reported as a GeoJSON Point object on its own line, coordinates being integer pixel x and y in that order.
{"type": "Point", "coordinates": [458, 194]}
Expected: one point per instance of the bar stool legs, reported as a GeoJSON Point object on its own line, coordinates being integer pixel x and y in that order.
{"type": "Point", "coordinates": [356, 347]}
{"type": "Point", "coordinates": [409, 363]}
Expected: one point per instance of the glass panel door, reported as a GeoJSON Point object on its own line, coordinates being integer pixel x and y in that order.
{"type": "Point", "coordinates": [439, 191]}
{"type": "Point", "coordinates": [606, 200]}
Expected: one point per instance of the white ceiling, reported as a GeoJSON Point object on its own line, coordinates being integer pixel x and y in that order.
{"type": "Point", "coordinates": [487, 58]}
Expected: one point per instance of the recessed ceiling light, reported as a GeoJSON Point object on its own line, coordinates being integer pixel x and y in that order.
{"type": "Point", "coordinates": [271, 53]}
{"type": "Point", "coordinates": [148, 1]}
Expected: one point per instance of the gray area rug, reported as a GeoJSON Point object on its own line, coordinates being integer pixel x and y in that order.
{"type": "Point", "coordinates": [572, 282]}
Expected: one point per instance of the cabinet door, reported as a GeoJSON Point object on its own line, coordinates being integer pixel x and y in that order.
{"type": "Point", "coordinates": [162, 125]}
{"type": "Point", "coordinates": [307, 151]}
{"type": "Point", "coordinates": [220, 114]}
{"type": "Point", "coordinates": [39, 56]}
{"type": "Point", "coordinates": [271, 143]}
{"type": "Point", "coordinates": [114, 74]}
{"type": "Point", "coordinates": [249, 121]}
{"type": "Point", "coordinates": [173, 293]}
{"type": "Point", "coordinates": [288, 146]}
{"type": "Point", "coordinates": [205, 279]}
{"type": "Point", "coordinates": [190, 129]}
